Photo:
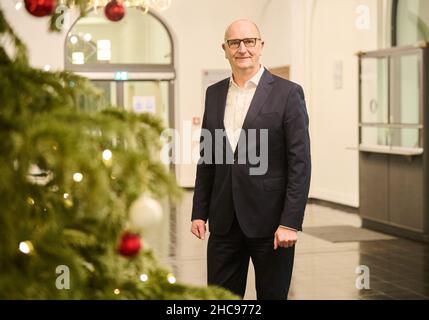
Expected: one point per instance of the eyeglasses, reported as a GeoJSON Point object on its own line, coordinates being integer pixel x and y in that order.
{"type": "Point", "coordinates": [248, 43]}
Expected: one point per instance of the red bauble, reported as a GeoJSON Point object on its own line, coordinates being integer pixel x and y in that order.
{"type": "Point", "coordinates": [40, 8]}
{"type": "Point", "coordinates": [130, 244]}
{"type": "Point", "coordinates": [114, 11]}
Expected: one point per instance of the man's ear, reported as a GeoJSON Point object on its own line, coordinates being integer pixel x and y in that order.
{"type": "Point", "coordinates": [223, 47]}
{"type": "Point", "coordinates": [262, 47]}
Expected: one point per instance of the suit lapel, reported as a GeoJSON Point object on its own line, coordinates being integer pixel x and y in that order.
{"type": "Point", "coordinates": [221, 106]}
{"type": "Point", "coordinates": [221, 103]}
{"type": "Point", "coordinates": [261, 94]}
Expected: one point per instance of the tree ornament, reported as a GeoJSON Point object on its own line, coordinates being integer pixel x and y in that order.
{"type": "Point", "coordinates": [145, 212]}
{"type": "Point", "coordinates": [130, 244]}
{"type": "Point", "coordinates": [39, 176]}
{"type": "Point", "coordinates": [114, 11]}
{"type": "Point", "coordinates": [171, 278]}
{"type": "Point", "coordinates": [40, 8]}
{"type": "Point", "coordinates": [26, 247]}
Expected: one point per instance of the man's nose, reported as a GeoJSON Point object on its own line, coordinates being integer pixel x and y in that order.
{"type": "Point", "coordinates": [242, 47]}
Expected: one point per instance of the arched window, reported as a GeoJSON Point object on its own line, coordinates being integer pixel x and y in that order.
{"type": "Point", "coordinates": [131, 61]}
{"type": "Point", "coordinates": [137, 40]}
{"type": "Point", "coordinates": [410, 22]}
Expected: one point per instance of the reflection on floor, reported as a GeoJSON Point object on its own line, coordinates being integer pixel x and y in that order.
{"type": "Point", "coordinates": [398, 268]}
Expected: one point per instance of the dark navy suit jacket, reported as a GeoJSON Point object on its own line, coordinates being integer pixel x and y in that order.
{"type": "Point", "coordinates": [261, 202]}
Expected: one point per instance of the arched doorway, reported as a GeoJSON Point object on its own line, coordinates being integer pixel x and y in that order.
{"type": "Point", "coordinates": [132, 62]}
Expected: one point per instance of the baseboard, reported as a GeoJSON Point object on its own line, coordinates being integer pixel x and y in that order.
{"type": "Point", "coordinates": [346, 199]}
{"type": "Point", "coordinates": [333, 205]}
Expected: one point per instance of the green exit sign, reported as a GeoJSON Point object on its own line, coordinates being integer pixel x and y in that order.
{"type": "Point", "coordinates": [121, 75]}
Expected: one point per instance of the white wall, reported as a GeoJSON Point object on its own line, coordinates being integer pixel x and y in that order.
{"type": "Point", "coordinates": [332, 37]}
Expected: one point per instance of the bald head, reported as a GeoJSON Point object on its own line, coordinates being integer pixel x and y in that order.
{"type": "Point", "coordinates": [239, 25]}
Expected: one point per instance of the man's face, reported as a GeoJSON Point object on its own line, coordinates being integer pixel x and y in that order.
{"type": "Point", "coordinates": [243, 57]}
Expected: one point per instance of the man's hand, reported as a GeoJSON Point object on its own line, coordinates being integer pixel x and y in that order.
{"type": "Point", "coordinates": [198, 228]}
{"type": "Point", "coordinates": [285, 238]}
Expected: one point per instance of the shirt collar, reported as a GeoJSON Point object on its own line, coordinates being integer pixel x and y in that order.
{"type": "Point", "coordinates": [254, 80]}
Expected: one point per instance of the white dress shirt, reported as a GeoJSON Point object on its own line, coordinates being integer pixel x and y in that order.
{"type": "Point", "coordinates": [237, 104]}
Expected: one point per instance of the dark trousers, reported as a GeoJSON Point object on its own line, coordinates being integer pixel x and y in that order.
{"type": "Point", "coordinates": [228, 261]}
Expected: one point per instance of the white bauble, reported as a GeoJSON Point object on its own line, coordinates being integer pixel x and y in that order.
{"type": "Point", "coordinates": [38, 176]}
{"type": "Point", "coordinates": [145, 213]}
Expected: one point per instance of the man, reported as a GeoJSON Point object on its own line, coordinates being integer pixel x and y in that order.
{"type": "Point", "coordinates": [253, 216]}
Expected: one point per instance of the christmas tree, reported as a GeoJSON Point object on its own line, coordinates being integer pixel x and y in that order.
{"type": "Point", "coordinates": [69, 173]}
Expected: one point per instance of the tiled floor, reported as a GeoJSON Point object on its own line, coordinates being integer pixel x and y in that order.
{"type": "Point", "coordinates": [398, 268]}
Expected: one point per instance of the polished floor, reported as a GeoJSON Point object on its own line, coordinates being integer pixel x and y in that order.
{"type": "Point", "coordinates": [397, 268]}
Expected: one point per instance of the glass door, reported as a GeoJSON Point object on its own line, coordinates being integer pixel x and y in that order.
{"type": "Point", "coordinates": [108, 91]}
{"type": "Point", "coordinates": [147, 96]}
{"type": "Point", "coordinates": [155, 97]}
{"type": "Point", "coordinates": [152, 96]}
